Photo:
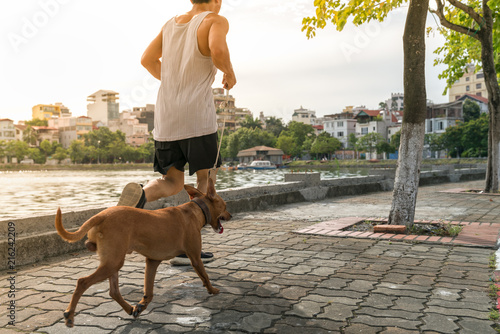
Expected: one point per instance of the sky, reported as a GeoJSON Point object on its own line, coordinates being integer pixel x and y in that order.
{"type": "Point", "coordinates": [65, 50]}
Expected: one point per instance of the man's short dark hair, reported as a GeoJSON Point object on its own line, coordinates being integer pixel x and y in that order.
{"type": "Point", "coordinates": [200, 1]}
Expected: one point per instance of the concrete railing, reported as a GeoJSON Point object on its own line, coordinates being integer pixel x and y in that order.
{"type": "Point", "coordinates": [36, 238]}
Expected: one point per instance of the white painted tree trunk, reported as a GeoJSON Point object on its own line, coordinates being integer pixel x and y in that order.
{"type": "Point", "coordinates": [407, 174]}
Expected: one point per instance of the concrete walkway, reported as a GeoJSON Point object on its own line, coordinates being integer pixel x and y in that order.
{"type": "Point", "coordinates": [273, 280]}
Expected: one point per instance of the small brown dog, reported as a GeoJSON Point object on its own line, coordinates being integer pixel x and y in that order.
{"type": "Point", "coordinates": [158, 235]}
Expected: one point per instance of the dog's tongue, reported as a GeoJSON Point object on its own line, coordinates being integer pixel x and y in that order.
{"type": "Point", "coordinates": [221, 229]}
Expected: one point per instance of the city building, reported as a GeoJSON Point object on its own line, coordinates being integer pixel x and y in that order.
{"type": "Point", "coordinates": [396, 102]}
{"type": "Point", "coordinates": [470, 83]}
{"type": "Point", "coordinates": [71, 128]}
{"type": "Point", "coordinates": [20, 131]}
{"type": "Point", "coordinates": [482, 101]}
{"type": "Point", "coordinates": [136, 133]}
{"type": "Point", "coordinates": [369, 121]}
{"type": "Point", "coordinates": [228, 116]}
{"type": "Point", "coordinates": [7, 130]}
{"type": "Point", "coordinates": [146, 115]}
{"type": "Point", "coordinates": [64, 110]}
{"type": "Point", "coordinates": [305, 116]}
{"type": "Point", "coordinates": [341, 125]}
{"type": "Point", "coordinates": [103, 106]}
{"type": "Point", "coordinates": [46, 111]}
{"type": "Point", "coordinates": [274, 155]}
{"type": "Point", "coordinates": [45, 133]}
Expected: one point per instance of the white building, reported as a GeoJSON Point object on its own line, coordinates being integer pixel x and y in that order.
{"type": "Point", "coordinates": [136, 133]}
{"type": "Point", "coordinates": [304, 116]}
{"type": "Point", "coordinates": [7, 130]}
{"type": "Point", "coordinates": [104, 106]}
{"type": "Point", "coordinates": [396, 102]}
{"type": "Point", "coordinates": [340, 126]}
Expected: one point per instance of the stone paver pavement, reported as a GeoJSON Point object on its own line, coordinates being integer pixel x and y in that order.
{"type": "Point", "coordinates": [275, 281]}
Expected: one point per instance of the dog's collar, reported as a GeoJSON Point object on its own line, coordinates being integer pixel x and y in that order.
{"type": "Point", "coordinates": [204, 208]}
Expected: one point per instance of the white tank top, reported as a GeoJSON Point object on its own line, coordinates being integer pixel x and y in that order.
{"type": "Point", "coordinates": [185, 107]}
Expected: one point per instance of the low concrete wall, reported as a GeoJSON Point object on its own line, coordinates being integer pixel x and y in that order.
{"type": "Point", "coordinates": [36, 237]}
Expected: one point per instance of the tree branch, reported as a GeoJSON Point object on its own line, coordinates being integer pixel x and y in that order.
{"type": "Point", "coordinates": [469, 10]}
{"type": "Point", "coordinates": [458, 28]}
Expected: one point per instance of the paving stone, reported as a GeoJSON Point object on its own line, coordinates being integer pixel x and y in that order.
{"type": "Point", "coordinates": [459, 305]}
{"type": "Point", "coordinates": [363, 329]}
{"type": "Point", "coordinates": [305, 325]}
{"type": "Point", "coordinates": [258, 321]}
{"type": "Point", "coordinates": [60, 328]}
{"type": "Point", "coordinates": [308, 309]}
{"type": "Point", "coordinates": [392, 313]}
{"type": "Point", "coordinates": [439, 323]}
{"type": "Point", "coordinates": [337, 312]}
{"type": "Point", "coordinates": [474, 326]}
{"type": "Point", "coordinates": [457, 312]}
{"type": "Point", "coordinates": [379, 301]}
{"type": "Point", "coordinates": [395, 330]}
{"type": "Point", "coordinates": [386, 322]}
{"type": "Point", "coordinates": [294, 292]}
{"type": "Point", "coordinates": [446, 294]}
{"type": "Point", "coordinates": [410, 304]}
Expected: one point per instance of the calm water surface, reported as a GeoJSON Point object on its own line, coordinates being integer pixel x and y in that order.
{"type": "Point", "coordinates": [27, 193]}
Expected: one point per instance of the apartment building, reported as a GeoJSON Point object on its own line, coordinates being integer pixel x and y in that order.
{"type": "Point", "coordinates": [7, 130]}
{"type": "Point", "coordinates": [46, 111]}
{"type": "Point", "coordinates": [146, 115]}
{"type": "Point", "coordinates": [103, 106]}
{"type": "Point", "coordinates": [470, 83]}
{"type": "Point", "coordinates": [71, 128]}
{"type": "Point", "coordinates": [136, 133]}
{"type": "Point", "coordinates": [340, 126]}
{"type": "Point", "coordinates": [228, 115]}
{"type": "Point", "coordinates": [305, 116]}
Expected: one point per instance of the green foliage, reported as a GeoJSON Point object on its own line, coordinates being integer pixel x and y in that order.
{"type": "Point", "coordinates": [351, 141]}
{"type": "Point", "coordinates": [471, 110]}
{"type": "Point", "coordinates": [396, 140]}
{"type": "Point", "coordinates": [30, 136]}
{"type": "Point", "coordinates": [275, 126]}
{"type": "Point", "coordinates": [299, 131]}
{"type": "Point", "coordinates": [435, 142]}
{"type": "Point", "coordinates": [245, 138]}
{"type": "Point", "coordinates": [37, 122]}
{"type": "Point", "coordinates": [468, 139]}
{"type": "Point", "coordinates": [287, 144]}
{"type": "Point", "coordinates": [325, 144]}
{"type": "Point", "coordinates": [251, 123]}
{"type": "Point", "coordinates": [60, 154]}
{"type": "Point", "coordinates": [369, 142]}
{"type": "Point", "coordinates": [339, 12]}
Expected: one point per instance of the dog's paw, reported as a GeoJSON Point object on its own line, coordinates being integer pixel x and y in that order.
{"type": "Point", "coordinates": [138, 310]}
{"type": "Point", "coordinates": [68, 320]}
{"type": "Point", "coordinates": [214, 291]}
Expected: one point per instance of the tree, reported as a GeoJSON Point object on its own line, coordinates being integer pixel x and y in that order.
{"type": "Point", "coordinates": [385, 147]}
{"type": "Point", "coordinates": [46, 148]}
{"type": "Point", "coordinates": [275, 126]}
{"type": "Point", "coordinates": [299, 132]}
{"type": "Point", "coordinates": [370, 142]}
{"type": "Point", "coordinates": [470, 38]}
{"type": "Point", "coordinates": [383, 105]}
{"type": "Point", "coordinates": [286, 144]}
{"type": "Point", "coordinates": [471, 110]}
{"type": "Point", "coordinates": [30, 136]}
{"type": "Point", "coordinates": [76, 151]}
{"type": "Point", "coordinates": [325, 144]}
{"type": "Point", "coordinates": [251, 123]}
{"type": "Point", "coordinates": [435, 143]}
{"type": "Point", "coordinates": [60, 154]}
{"type": "Point", "coordinates": [413, 128]}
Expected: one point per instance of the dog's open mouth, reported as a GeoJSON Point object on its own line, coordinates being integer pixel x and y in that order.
{"type": "Point", "coordinates": [220, 228]}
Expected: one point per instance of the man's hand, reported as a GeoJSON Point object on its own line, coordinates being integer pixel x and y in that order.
{"type": "Point", "coordinates": [228, 81]}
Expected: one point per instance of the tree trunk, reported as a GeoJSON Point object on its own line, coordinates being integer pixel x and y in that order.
{"type": "Point", "coordinates": [415, 108]}
{"type": "Point", "coordinates": [490, 78]}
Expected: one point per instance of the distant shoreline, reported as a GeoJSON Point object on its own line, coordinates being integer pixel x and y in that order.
{"type": "Point", "coordinates": [19, 167]}
{"type": "Point", "coordinates": [295, 164]}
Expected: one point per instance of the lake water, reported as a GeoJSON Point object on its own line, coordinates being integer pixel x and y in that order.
{"type": "Point", "coordinates": [29, 193]}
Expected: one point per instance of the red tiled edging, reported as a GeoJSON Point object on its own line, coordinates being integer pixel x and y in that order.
{"type": "Point", "coordinates": [473, 234]}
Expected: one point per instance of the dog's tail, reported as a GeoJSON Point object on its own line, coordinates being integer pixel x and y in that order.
{"type": "Point", "coordinates": [82, 231]}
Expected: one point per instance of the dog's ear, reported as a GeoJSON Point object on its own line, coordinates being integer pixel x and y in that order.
{"type": "Point", "coordinates": [192, 191]}
{"type": "Point", "coordinates": [211, 189]}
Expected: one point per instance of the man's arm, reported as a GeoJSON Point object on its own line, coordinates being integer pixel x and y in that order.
{"type": "Point", "coordinates": [220, 52]}
{"type": "Point", "coordinates": [151, 57]}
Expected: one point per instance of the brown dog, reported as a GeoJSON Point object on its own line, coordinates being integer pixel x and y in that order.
{"type": "Point", "coordinates": [158, 235]}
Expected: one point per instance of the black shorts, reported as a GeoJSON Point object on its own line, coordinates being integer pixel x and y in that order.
{"type": "Point", "coordinates": [199, 152]}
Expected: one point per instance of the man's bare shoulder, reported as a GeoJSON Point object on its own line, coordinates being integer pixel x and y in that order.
{"type": "Point", "coordinates": [216, 18]}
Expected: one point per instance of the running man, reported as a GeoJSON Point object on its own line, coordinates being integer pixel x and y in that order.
{"type": "Point", "coordinates": [185, 57]}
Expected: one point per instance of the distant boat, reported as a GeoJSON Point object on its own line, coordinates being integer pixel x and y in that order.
{"type": "Point", "coordinates": [261, 164]}
{"type": "Point", "coordinates": [242, 166]}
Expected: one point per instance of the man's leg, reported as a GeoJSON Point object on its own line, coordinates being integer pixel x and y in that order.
{"type": "Point", "coordinates": [202, 177]}
{"type": "Point", "coordinates": [134, 195]}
